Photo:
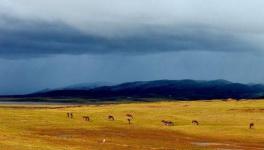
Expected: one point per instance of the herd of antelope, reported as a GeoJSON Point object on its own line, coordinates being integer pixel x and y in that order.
{"type": "Point", "coordinates": [110, 117]}
{"type": "Point", "coordinates": [130, 118]}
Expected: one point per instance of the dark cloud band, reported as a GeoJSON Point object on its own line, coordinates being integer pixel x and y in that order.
{"type": "Point", "coordinates": [21, 38]}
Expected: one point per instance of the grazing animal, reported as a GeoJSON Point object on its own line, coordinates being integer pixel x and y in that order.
{"type": "Point", "coordinates": [86, 118]}
{"type": "Point", "coordinates": [129, 120]}
{"type": "Point", "coordinates": [251, 125]}
{"type": "Point", "coordinates": [69, 115]}
{"type": "Point", "coordinates": [110, 117]}
{"type": "Point", "coordinates": [195, 122]}
{"type": "Point", "coordinates": [167, 123]}
{"type": "Point", "coordinates": [129, 115]}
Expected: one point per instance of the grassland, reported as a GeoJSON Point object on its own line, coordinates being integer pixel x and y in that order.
{"type": "Point", "coordinates": [223, 125]}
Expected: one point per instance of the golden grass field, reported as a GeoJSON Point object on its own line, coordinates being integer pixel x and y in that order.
{"type": "Point", "coordinates": [223, 125]}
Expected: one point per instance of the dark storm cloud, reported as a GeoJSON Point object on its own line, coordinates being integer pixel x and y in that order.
{"type": "Point", "coordinates": [34, 38]}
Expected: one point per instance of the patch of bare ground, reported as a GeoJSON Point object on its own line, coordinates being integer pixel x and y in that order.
{"type": "Point", "coordinates": [134, 138]}
{"type": "Point", "coordinates": [116, 138]}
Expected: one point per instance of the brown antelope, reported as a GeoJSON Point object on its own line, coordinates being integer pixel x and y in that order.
{"type": "Point", "coordinates": [110, 117]}
{"type": "Point", "coordinates": [129, 120]}
{"type": "Point", "coordinates": [195, 122]}
{"type": "Point", "coordinates": [251, 125]}
{"type": "Point", "coordinates": [129, 116]}
{"type": "Point", "coordinates": [86, 118]}
{"type": "Point", "coordinates": [69, 115]}
{"type": "Point", "coordinates": [167, 123]}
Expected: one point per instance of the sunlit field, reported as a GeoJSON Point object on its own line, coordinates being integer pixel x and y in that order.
{"type": "Point", "coordinates": [222, 125]}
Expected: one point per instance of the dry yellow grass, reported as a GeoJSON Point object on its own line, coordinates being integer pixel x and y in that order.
{"type": "Point", "coordinates": [223, 124]}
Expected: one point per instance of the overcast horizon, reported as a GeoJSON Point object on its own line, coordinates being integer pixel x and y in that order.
{"type": "Point", "coordinates": [53, 43]}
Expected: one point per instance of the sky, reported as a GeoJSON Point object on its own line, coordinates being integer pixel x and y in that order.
{"type": "Point", "coordinates": [56, 43]}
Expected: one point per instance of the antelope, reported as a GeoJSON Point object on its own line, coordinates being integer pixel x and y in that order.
{"type": "Point", "coordinates": [195, 122]}
{"type": "Point", "coordinates": [86, 118]}
{"type": "Point", "coordinates": [251, 125]}
{"type": "Point", "coordinates": [69, 115]}
{"type": "Point", "coordinates": [167, 123]}
{"type": "Point", "coordinates": [110, 117]}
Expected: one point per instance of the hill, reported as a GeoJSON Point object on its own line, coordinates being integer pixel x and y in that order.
{"type": "Point", "coordinates": [173, 89]}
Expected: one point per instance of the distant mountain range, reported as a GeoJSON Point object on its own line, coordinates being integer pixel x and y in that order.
{"type": "Point", "coordinates": [171, 89]}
